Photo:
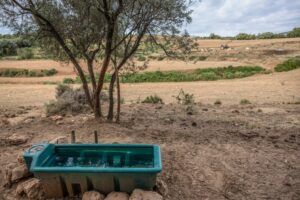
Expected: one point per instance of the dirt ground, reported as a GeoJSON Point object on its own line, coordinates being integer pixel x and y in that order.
{"type": "Point", "coordinates": [218, 152]}
{"type": "Point", "coordinates": [230, 151]}
{"type": "Point", "coordinates": [271, 88]}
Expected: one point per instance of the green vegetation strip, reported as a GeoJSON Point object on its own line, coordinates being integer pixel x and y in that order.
{"type": "Point", "coordinates": [27, 73]}
{"type": "Point", "coordinates": [290, 64]}
{"type": "Point", "coordinates": [207, 74]}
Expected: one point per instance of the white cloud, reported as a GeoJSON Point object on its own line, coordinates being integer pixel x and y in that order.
{"type": "Point", "coordinates": [230, 17]}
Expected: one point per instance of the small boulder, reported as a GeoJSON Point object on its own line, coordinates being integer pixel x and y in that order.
{"type": "Point", "coordinates": [21, 159]}
{"type": "Point", "coordinates": [19, 172]}
{"type": "Point", "coordinates": [117, 196]}
{"type": "Point", "coordinates": [139, 194]}
{"type": "Point", "coordinates": [162, 187]}
{"type": "Point", "coordinates": [8, 174]}
{"type": "Point", "coordinates": [16, 139]}
{"type": "Point", "coordinates": [56, 117]}
{"type": "Point", "coordinates": [32, 188]}
{"type": "Point", "coordinates": [59, 140]}
{"type": "Point", "coordinates": [92, 195]}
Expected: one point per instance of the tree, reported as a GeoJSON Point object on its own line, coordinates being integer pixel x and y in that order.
{"type": "Point", "coordinates": [294, 33]}
{"type": "Point", "coordinates": [94, 31]}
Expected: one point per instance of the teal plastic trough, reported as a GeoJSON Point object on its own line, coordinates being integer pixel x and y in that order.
{"type": "Point", "coordinates": [72, 169]}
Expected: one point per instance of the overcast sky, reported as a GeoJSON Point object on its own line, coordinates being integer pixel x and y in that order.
{"type": "Point", "coordinates": [230, 17]}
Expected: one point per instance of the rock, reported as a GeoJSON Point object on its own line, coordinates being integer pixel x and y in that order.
{"type": "Point", "coordinates": [8, 174]}
{"type": "Point", "coordinates": [194, 124]}
{"type": "Point", "coordinates": [32, 188]}
{"type": "Point", "coordinates": [189, 113]}
{"type": "Point", "coordinates": [205, 109]}
{"type": "Point", "coordinates": [19, 172]}
{"type": "Point", "coordinates": [235, 111]}
{"type": "Point", "coordinates": [16, 139]}
{"type": "Point", "coordinates": [92, 195]}
{"type": "Point", "coordinates": [139, 194]}
{"type": "Point", "coordinates": [117, 196]}
{"type": "Point", "coordinates": [56, 117]}
{"type": "Point", "coordinates": [28, 120]}
{"type": "Point", "coordinates": [162, 187]}
{"type": "Point", "coordinates": [158, 107]}
{"type": "Point", "coordinates": [59, 140]}
{"type": "Point", "coordinates": [20, 159]}
{"type": "Point", "coordinates": [59, 122]}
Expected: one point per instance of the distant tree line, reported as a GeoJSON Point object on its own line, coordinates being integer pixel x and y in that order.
{"type": "Point", "coordinates": [10, 45]}
{"type": "Point", "coordinates": [267, 35]}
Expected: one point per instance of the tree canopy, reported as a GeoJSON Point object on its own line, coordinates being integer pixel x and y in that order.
{"type": "Point", "coordinates": [97, 31]}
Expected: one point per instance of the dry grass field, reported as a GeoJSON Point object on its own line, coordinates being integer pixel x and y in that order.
{"type": "Point", "coordinates": [227, 151]}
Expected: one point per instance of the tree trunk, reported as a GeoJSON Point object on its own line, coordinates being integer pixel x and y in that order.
{"type": "Point", "coordinates": [91, 72]}
{"type": "Point", "coordinates": [118, 98]}
{"type": "Point", "coordinates": [97, 107]}
{"type": "Point", "coordinates": [110, 115]}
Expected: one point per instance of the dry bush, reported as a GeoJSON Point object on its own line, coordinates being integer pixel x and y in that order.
{"type": "Point", "coordinates": [70, 100]}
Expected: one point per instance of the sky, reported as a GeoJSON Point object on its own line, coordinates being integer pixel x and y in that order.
{"type": "Point", "coordinates": [230, 17]}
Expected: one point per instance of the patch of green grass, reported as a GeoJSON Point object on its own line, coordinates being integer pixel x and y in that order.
{"type": "Point", "coordinates": [290, 64]}
{"type": "Point", "coordinates": [208, 74]}
{"type": "Point", "coordinates": [27, 73]}
{"type": "Point", "coordinates": [153, 99]}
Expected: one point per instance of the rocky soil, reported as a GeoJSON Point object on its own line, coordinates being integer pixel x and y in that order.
{"type": "Point", "coordinates": [209, 152]}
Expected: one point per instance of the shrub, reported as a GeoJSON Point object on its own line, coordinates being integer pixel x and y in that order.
{"type": "Point", "coordinates": [27, 73]}
{"type": "Point", "coordinates": [294, 33]}
{"type": "Point", "coordinates": [62, 88]}
{"type": "Point", "coordinates": [185, 98]}
{"type": "Point", "coordinates": [70, 100]}
{"type": "Point", "coordinates": [160, 58]}
{"type": "Point", "coordinates": [218, 102]}
{"type": "Point", "coordinates": [214, 36]}
{"type": "Point", "coordinates": [141, 58]}
{"type": "Point", "coordinates": [25, 53]}
{"type": "Point", "coordinates": [68, 81]}
{"type": "Point", "coordinates": [245, 36]}
{"type": "Point", "coordinates": [290, 64]}
{"type": "Point", "coordinates": [153, 99]}
{"type": "Point", "coordinates": [245, 102]}
{"type": "Point", "coordinates": [266, 35]}
{"type": "Point", "coordinates": [201, 58]}
{"type": "Point", "coordinates": [49, 72]}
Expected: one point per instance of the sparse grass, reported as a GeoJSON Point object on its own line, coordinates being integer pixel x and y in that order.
{"type": "Point", "coordinates": [153, 99]}
{"type": "Point", "coordinates": [245, 102]}
{"type": "Point", "coordinates": [27, 73]}
{"type": "Point", "coordinates": [208, 74]}
{"type": "Point", "coordinates": [290, 64]}
{"type": "Point", "coordinates": [185, 98]}
{"type": "Point", "coordinates": [218, 102]}
{"type": "Point", "coordinates": [50, 83]}
{"type": "Point", "coordinates": [68, 81]}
